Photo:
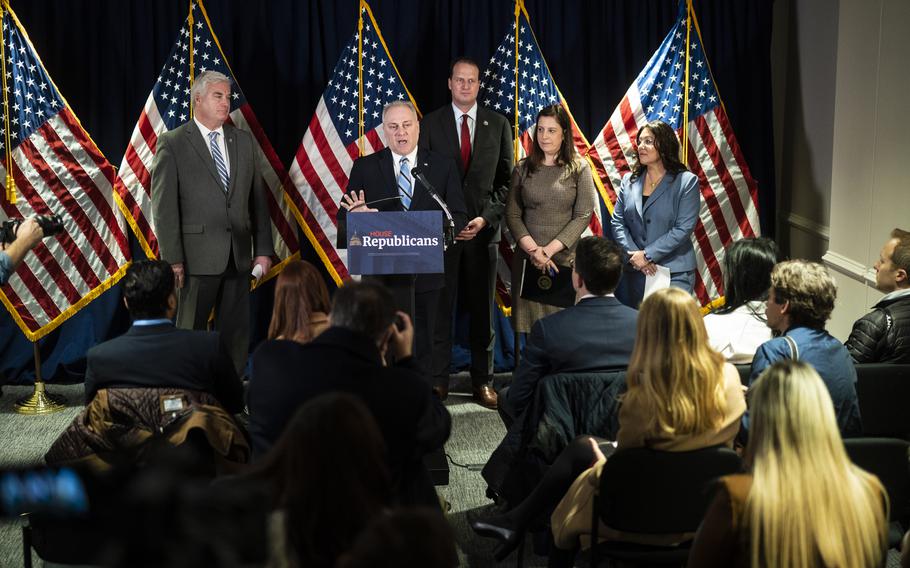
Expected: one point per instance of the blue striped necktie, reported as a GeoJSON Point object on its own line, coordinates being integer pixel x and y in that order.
{"type": "Point", "coordinates": [219, 159]}
{"type": "Point", "coordinates": [404, 184]}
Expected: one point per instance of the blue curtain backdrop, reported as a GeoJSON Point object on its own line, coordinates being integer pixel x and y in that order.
{"type": "Point", "coordinates": [104, 56]}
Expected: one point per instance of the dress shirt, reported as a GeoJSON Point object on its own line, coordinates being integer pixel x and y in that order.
{"type": "Point", "coordinates": [472, 118]}
{"type": "Point", "coordinates": [221, 144]}
{"type": "Point", "coordinates": [586, 296]}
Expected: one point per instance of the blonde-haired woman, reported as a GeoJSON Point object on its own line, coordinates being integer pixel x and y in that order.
{"type": "Point", "coordinates": [803, 503]}
{"type": "Point", "coordinates": [681, 396]}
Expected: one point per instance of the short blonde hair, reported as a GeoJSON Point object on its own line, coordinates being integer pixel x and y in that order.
{"type": "Point", "coordinates": [809, 288]}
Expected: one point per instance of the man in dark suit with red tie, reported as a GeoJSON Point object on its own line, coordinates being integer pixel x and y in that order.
{"type": "Point", "coordinates": [385, 181]}
{"type": "Point", "coordinates": [480, 141]}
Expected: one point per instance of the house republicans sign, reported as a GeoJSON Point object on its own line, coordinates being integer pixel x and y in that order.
{"type": "Point", "coordinates": [395, 242]}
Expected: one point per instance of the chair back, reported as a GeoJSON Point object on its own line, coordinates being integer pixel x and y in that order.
{"type": "Point", "coordinates": [656, 492]}
{"type": "Point", "coordinates": [886, 458]}
{"type": "Point", "coordinates": [883, 390]}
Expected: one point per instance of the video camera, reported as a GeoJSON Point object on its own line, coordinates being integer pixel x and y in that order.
{"type": "Point", "coordinates": [50, 225]}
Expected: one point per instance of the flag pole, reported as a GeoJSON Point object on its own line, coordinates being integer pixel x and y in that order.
{"type": "Point", "coordinates": [40, 401]}
{"type": "Point", "coordinates": [684, 143]}
{"type": "Point", "coordinates": [10, 183]}
{"type": "Point", "coordinates": [360, 133]}
{"type": "Point", "coordinates": [189, 21]}
{"type": "Point", "coordinates": [515, 140]}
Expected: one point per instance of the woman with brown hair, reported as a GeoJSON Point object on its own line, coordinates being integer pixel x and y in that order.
{"type": "Point", "coordinates": [549, 206]}
{"type": "Point", "coordinates": [301, 309]}
{"type": "Point", "coordinates": [681, 396]}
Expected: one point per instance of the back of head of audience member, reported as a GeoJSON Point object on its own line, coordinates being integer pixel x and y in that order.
{"type": "Point", "coordinates": [673, 370]}
{"type": "Point", "coordinates": [299, 293]}
{"type": "Point", "coordinates": [804, 292]}
{"type": "Point", "coordinates": [747, 271]}
{"type": "Point", "coordinates": [405, 538]}
{"type": "Point", "coordinates": [892, 270]}
{"type": "Point", "coordinates": [329, 477]}
{"type": "Point", "coordinates": [148, 290]}
{"type": "Point", "coordinates": [366, 307]}
{"type": "Point", "coordinates": [808, 501]}
{"type": "Point", "coordinates": [598, 265]}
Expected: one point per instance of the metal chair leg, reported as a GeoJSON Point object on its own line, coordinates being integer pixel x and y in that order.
{"type": "Point", "coordinates": [26, 543]}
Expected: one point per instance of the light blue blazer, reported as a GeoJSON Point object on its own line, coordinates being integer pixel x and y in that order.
{"type": "Point", "coordinates": [663, 227]}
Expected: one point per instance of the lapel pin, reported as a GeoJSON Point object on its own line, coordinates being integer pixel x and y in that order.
{"type": "Point", "coordinates": [485, 123]}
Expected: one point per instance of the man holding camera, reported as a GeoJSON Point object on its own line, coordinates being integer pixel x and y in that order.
{"type": "Point", "coordinates": [28, 235]}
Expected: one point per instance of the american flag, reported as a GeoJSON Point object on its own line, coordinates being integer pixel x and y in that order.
{"type": "Point", "coordinates": [168, 106]}
{"type": "Point", "coordinates": [535, 90]}
{"type": "Point", "coordinates": [729, 208]}
{"type": "Point", "coordinates": [332, 140]}
{"type": "Point", "coordinates": [57, 169]}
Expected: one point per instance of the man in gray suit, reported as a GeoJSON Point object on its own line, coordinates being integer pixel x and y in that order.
{"type": "Point", "coordinates": [480, 142]}
{"type": "Point", "coordinates": [210, 215]}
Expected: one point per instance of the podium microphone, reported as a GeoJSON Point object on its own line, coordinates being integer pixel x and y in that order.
{"type": "Point", "coordinates": [450, 223]}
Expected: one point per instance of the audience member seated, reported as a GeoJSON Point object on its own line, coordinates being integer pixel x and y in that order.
{"type": "Point", "coordinates": [350, 357]}
{"type": "Point", "coordinates": [153, 352]}
{"type": "Point", "coordinates": [681, 396]}
{"type": "Point", "coordinates": [800, 301]}
{"type": "Point", "coordinates": [325, 478]}
{"type": "Point", "coordinates": [738, 327]}
{"type": "Point", "coordinates": [154, 383]}
{"type": "Point", "coordinates": [597, 333]}
{"type": "Point", "coordinates": [301, 308]}
{"type": "Point", "coordinates": [803, 503]}
{"type": "Point", "coordinates": [405, 538]}
{"type": "Point", "coordinates": [883, 335]}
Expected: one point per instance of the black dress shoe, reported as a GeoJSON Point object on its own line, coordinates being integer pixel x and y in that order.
{"type": "Point", "coordinates": [509, 539]}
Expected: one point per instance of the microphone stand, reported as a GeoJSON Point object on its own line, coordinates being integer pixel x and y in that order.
{"type": "Point", "coordinates": [450, 222]}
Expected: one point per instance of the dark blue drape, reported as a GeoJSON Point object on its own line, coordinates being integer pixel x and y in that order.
{"type": "Point", "coordinates": [105, 54]}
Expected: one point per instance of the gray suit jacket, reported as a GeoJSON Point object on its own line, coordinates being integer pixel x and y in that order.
{"type": "Point", "coordinates": [486, 183]}
{"type": "Point", "coordinates": [196, 222]}
{"type": "Point", "coordinates": [663, 226]}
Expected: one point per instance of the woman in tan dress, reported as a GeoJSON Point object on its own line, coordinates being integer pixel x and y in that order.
{"type": "Point", "coordinates": [549, 206]}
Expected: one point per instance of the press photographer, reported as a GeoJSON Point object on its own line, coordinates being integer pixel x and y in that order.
{"type": "Point", "coordinates": [18, 236]}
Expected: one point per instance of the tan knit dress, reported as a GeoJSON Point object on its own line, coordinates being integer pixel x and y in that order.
{"type": "Point", "coordinates": [549, 204]}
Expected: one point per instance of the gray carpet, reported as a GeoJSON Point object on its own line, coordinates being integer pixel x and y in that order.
{"type": "Point", "coordinates": [476, 432]}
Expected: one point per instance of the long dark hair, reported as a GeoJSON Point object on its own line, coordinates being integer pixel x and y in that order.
{"type": "Point", "coordinates": [299, 292]}
{"type": "Point", "coordinates": [747, 272]}
{"type": "Point", "coordinates": [667, 145]}
{"type": "Point", "coordinates": [566, 155]}
{"type": "Point", "coordinates": [328, 474]}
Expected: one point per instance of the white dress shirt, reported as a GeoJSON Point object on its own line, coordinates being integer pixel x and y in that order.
{"type": "Point", "coordinates": [472, 118]}
{"type": "Point", "coordinates": [221, 144]}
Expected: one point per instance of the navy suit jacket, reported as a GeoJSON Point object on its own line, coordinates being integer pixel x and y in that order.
{"type": "Point", "coordinates": [376, 177]}
{"type": "Point", "coordinates": [663, 226]}
{"type": "Point", "coordinates": [163, 356]}
{"type": "Point", "coordinates": [596, 334]}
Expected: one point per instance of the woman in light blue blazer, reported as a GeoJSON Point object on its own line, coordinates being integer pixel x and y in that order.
{"type": "Point", "coordinates": [655, 214]}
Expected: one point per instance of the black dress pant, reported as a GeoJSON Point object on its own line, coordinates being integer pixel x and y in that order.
{"type": "Point", "coordinates": [471, 275]}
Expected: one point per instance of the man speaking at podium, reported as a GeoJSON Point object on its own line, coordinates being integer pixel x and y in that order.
{"type": "Point", "coordinates": [386, 181]}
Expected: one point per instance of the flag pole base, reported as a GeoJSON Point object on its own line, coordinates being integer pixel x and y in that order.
{"type": "Point", "coordinates": [40, 402]}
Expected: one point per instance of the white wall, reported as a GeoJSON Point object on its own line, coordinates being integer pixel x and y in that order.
{"type": "Point", "coordinates": [870, 179]}
{"type": "Point", "coordinates": [842, 137]}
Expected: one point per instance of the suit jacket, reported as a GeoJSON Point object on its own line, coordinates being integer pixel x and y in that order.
{"type": "Point", "coordinates": [161, 355]}
{"type": "Point", "coordinates": [375, 175]}
{"type": "Point", "coordinates": [596, 334]}
{"type": "Point", "coordinates": [486, 182]}
{"type": "Point", "coordinates": [286, 374]}
{"type": "Point", "coordinates": [196, 222]}
{"type": "Point", "coordinates": [663, 226]}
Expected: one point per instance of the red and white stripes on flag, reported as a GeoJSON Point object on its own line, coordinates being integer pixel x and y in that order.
{"type": "Point", "coordinates": [333, 140]}
{"type": "Point", "coordinates": [729, 208]}
{"type": "Point", "coordinates": [57, 169]}
{"type": "Point", "coordinates": [168, 106]}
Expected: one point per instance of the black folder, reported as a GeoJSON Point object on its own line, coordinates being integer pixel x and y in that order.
{"type": "Point", "coordinates": [555, 290]}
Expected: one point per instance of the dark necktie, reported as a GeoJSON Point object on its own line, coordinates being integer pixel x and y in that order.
{"type": "Point", "coordinates": [465, 143]}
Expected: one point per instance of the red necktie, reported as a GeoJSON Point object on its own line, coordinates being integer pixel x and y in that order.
{"type": "Point", "coordinates": [465, 142]}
